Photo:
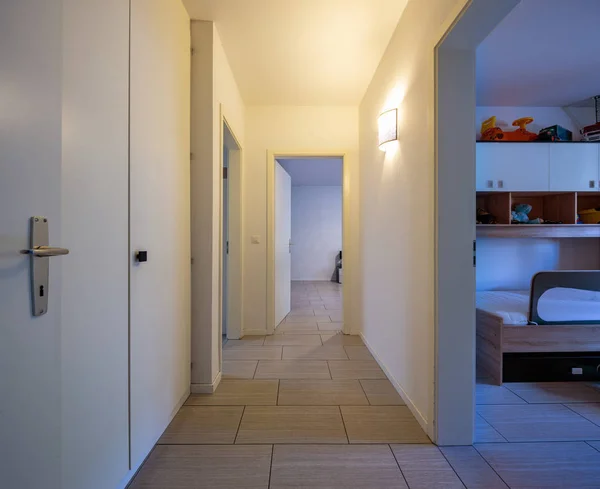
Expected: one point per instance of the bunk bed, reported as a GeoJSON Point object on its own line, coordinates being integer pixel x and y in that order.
{"type": "Point", "coordinates": [549, 333]}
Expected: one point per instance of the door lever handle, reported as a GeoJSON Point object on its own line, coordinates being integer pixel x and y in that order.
{"type": "Point", "coordinates": [45, 251]}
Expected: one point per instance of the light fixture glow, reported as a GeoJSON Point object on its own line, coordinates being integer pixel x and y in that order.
{"type": "Point", "coordinates": [388, 128]}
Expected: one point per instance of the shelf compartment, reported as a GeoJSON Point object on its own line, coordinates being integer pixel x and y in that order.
{"type": "Point", "coordinates": [554, 206]}
{"type": "Point", "coordinates": [588, 200]}
{"type": "Point", "coordinates": [496, 203]}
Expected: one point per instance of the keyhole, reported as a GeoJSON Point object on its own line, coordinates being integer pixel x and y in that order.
{"type": "Point", "coordinates": [41, 291]}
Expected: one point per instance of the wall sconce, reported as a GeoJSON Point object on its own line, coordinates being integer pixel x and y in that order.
{"type": "Point", "coordinates": [388, 128]}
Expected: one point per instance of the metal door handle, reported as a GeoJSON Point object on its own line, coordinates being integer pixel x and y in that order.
{"type": "Point", "coordinates": [46, 251]}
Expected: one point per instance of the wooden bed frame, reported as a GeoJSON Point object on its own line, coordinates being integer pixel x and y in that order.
{"type": "Point", "coordinates": [494, 338]}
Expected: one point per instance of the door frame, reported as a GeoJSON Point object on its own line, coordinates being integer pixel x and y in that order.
{"type": "Point", "coordinates": [235, 316]}
{"type": "Point", "coordinates": [455, 281]}
{"type": "Point", "coordinates": [271, 158]}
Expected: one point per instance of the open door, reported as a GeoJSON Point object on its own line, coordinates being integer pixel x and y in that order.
{"type": "Point", "coordinates": [283, 236]}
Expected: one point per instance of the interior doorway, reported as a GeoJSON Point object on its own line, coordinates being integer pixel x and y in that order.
{"type": "Point", "coordinates": [307, 243]}
{"type": "Point", "coordinates": [230, 236]}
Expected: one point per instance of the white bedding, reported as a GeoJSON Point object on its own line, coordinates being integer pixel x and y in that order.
{"type": "Point", "coordinates": [558, 304]}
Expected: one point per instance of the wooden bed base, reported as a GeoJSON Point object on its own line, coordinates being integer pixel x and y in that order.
{"type": "Point", "coordinates": [494, 338]}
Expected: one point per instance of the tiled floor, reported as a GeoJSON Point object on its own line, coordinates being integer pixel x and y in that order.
{"type": "Point", "coordinates": [310, 408]}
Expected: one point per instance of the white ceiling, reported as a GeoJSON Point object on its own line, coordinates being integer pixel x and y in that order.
{"type": "Point", "coordinates": [302, 52]}
{"type": "Point", "coordinates": [314, 172]}
{"type": "Point", "coordinates": [544, 53]}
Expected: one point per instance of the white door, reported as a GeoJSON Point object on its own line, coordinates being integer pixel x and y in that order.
{"type": "Point", "coordinates": [160, 218]}
{"type": "Point", "coordinates": [30, 185]}
{"type": "Point", "coordinates": [283, 236]}
{"type": "Point", "coordinates": [95, 304]}
{"type": "Point", "coordinates": [513, 166]}
{"type": "Point", "coordinates": [574, 167]}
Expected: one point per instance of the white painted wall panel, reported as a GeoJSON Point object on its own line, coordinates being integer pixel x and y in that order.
{"type": "Point", "coordinates": [316, 231]}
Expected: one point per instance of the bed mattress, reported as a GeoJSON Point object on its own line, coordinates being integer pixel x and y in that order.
{"type": "Point", "coordinates": [558, 304]}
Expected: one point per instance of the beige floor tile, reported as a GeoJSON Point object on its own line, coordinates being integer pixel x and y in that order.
{"type": "Point", "coordinates": [335, 467]}
{"type": "Point", "coordinates": [203, 425]}
{"type": "Point", "coordinates": [496, 394]}
{"type": "Point", "coordinates": [484, 433]}
{"type": "Point", "coordinates": [314, 352]}
{"type": "Point", "coordinates": [472, 469]}
{"type": "Point", "coordinates": [590, 411]}
{"type": "Point", "coordinates": [308, 319]}
{"type": "Point", "coordinates": [305, 311]}
{"type": "Point", "coordinates": [355, 369]}
{"type": "Point", "coordinates": [336, 316]}
{"type": "Point", "coordinates": [292, 369]}
{"type": "Point", "coordinates": [317, 302]}
{"type": "Point", "coordinates": [333, 306]}
{"type": "Point", "coordinates": [555, 392]}
{"type": "Point", "coordinates": [321, 393]}
{"type": "Point", "coordinates": [238, 393]}
{"type": "Point", "coordinates": [291, 424]}
{"type": "Point", "coordinates": [297, 327]}
{"type": "Point", "coordinates": [205, 467]}
{"type": "Point", "coordinates": [294, 340]}
{"type": "Point", "coordinates": [300, 303]}
{"type": "Point", "coordinates": [338, 339]}
{"type": "Point", "coordinates": [250, 341]}
{"type": "Point", "coordinates": [544, 465]}
{"type": "Point", "coordinates": [241, 369]}
{"type": "Point", "coordinates": [539, 422]}
{"type": "Point", "coordinates": [424, 467]}
{"type": "Point", "coordinates": [253, 353]}
{"type": "Point", "coordinates": [329, 326]}
{"type": "Point", "coordinates": [358, 353]}
{"type": "Point", "coordinates": [381, 393]}
{"type": "Point", "coordinates": [382, 424]}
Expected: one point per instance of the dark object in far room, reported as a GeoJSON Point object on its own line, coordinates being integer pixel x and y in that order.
{"type": "Point", "coordinates": [337, 274]}
{"type": "Point", "coordinates": [484, 217]}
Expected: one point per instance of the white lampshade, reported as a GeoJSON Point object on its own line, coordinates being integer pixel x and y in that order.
{"type": "Point", "coordinates": [388, 127]}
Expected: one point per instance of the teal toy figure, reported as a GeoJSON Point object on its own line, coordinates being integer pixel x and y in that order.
{"type": "Point", "coordinates": [520, 215]}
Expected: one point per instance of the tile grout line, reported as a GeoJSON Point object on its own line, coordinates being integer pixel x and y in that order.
{"type": "Point", "coordinates": [271, 466]}
{"type": "Point", "coordinates": [595, 448]}
{"type": "Point", "coordinates": [513, 392]}
{"type": "Point", "coordinates": [364, 392]}
{"type": "Point", "coordinates": [581, 415]}
{"type": "Point", "coordinates": [239, 426]}
{"type": "Point", "coordinates": [344, 423]}
{"type": "Point", "coordinates": [277, 397]}
{"type": "Point", "coordinates": [398, 465]}
{"type": "Point", "coordinates": [490, 425]}
{"type": "Point", "coordinates": [452, 467]}
{"type": "Point", "coordinates": [255, 370]}
{"type": "Point", "coordinates": [329, 368]}
{"type": "Point", "coordinates": [490, 465]}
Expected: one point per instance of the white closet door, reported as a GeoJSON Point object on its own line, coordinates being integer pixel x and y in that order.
{"type": "Point", "coordinates": [283, 236]}
{"type": "Point", "coordinates": [95, 402]}
{"type": "Point", "coordinates": [574, 167]}
{"type": "Point", "coordinates": [30, 185]}
{"type": "Point", "coordinates": [160, 217]}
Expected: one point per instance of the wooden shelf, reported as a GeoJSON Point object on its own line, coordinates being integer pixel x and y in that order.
{"type": "Point", "coordinates": [538, 230]}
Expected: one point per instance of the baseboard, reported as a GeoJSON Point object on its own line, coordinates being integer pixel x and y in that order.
{"type": "Point", "coordinates": [408, 401]}
{"type": "Point", "coordinates": [206, 388]}
{"type": "Point", "coordinates": [133, 472]}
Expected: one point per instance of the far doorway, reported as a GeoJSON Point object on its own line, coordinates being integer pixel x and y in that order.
{"type": "Point", "coordinates": [308, 236]}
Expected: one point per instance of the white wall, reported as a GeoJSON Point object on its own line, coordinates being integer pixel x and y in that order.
{"type": "Point", "coordinates": [397, 207]}
{"type": "Point", "coordinates": [510, 264]}
{"type": "Point", "coordinates": [543, 117]}
{"type": "Point", "coordinates": [316, 231]}
{"type": "Point", "coordinates": [214, 90]}
{"type": "Point", "coordinates": [295, 129]}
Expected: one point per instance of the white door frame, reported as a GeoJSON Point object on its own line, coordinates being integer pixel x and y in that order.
{"type": "Point", "coordinates": [235, 317]}
{"type": "Point", "coordinates": [271, 157]}
{"type": "Point", "coordinates": [455, 102]}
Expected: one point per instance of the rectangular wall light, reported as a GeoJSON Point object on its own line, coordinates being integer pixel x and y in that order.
{"type": "Point", "coordinates": [388, 127]}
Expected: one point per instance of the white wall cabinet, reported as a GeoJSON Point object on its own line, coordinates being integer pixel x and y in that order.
{"type": "Point", "coordinates": [538, 167]}
{"type": "Point", "coordinates": [513, 167]}
{"type": "Point", "coordinates": [574, 167]}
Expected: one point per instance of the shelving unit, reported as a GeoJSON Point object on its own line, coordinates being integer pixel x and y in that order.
{"type": "Point", "coordinates": [555, 206]}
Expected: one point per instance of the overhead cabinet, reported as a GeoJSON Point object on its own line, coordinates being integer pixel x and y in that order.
{"type": "Point", "coordinates": [538, 167]}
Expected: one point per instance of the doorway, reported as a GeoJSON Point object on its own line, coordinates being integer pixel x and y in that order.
{"type": "Point", "coordinates": [231, 222]}
{"type": "Point", "coordinates": [308, 243]}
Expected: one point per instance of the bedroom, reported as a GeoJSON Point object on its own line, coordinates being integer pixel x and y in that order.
{"type": "Point", "coordinates": [538, 235]}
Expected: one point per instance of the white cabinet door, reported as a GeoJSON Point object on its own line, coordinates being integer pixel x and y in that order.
{"type": "Point", "coordinates": [574, 167]}
{"type": "Point", "coordinates": [513, 166]}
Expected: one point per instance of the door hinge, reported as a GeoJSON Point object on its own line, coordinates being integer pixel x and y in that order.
{"type": "Point", "coordinates": [224, 173]}
{"type": "Point", "coordinates": [474, 253]}
{"type": "Point", "coordinates": [192, 51]}
{"type": "Point", "coordinates": [191, 156]}
{"type": "Point", "coordinates": [227, 248]}
{"type": "Point", "coordinates": [192, 260]}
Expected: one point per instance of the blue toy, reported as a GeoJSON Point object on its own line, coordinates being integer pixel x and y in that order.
{"type": "Point", "coordinates": [520, 215]}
